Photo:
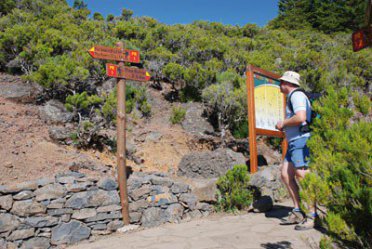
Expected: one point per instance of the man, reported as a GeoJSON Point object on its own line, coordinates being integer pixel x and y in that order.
{"type": "Point", "coordinates": [295, 163]}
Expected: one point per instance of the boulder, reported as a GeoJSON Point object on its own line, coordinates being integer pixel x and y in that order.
{"type": "Point", "coordinates": [104, 216]}
{"type": "Point", "coordinates": [57, 133]}
{"type": "Point", "coordinates": [54, 112]}
{"type": "Point", "coordinates": [194, 122]}
{"type": "Point", "coordinates": [270, 155]}
{"type": "Point", "coordinates": [136, 180]}
{"type": "Point", "coordinates": [21, 234]}
{"type": "Point", "coordinates": [135, 217]}
{"type": "Point", "coordinates": [267, 180]}
{"type": "Point", "coordinates": [18, 90]}
{"type": "Point", "coordinates": [161, 199]}
{"type": "Point", "coordinates": [50, 192]}
{"type": "Point", "coordinates": [24, 195]}
{"type": "Point", "coordinates": [107, 184]}
{"type": "Point", "coordinates": [36, 243]}
{"type": "Point", "coordinates": [15, 188]}
{"type": "Point", "coordinates": [60, 212]}
{"type": "Point", "coordinates": [92, 198]}
{"type": "Point", "coordinates": [78, 187]}
{"type": "Point", "coordinates": [204, 189]}
{"type": "Point", "coordinates": [173, 213]}
{"type": "Point", "coordinates": [84, 213]}
{"type": "Point", "coordinates": [209, 164]}
{"type": "Point", "coordinates": [70, 233]}
{"type": "Point", "coordinates": [27, 207]}
{"type": "Point", "coordinates": [189, 200]}
{"type": "Point", "coordinates": [151, 217]}
{"type": "Point", "coordinates": [40, 222]}
{"type": "Point", "coordinates": [140, 192]}
{"type": "Point", "coordinates": [138, 205]}
{"type": "Point", "coordinates": [3, 243]}
{"type": "Point", "coordinates": [8, 222]}
{"type": "Point", "coordinates": [99, 226]}
{"type": "Point", "coordinates": [114, 225]}
{"type": "Point", "coordinates": [162, 180]}
{"type": "Point", "coordinates": [109, 208]}
{"type": "Point", "coordinates": [6, 202]}
{"type": "Point", "coordinates": [178, 188]}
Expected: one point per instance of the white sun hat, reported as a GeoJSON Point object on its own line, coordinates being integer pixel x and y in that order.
{"type": "Point", "coordinates": [291, 77]}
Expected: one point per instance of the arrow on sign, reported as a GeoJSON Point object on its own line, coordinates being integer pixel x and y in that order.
{"type": "Point", "coordinates": [115, 54]}
{"type": "Point", "coordinates": [129, 73]}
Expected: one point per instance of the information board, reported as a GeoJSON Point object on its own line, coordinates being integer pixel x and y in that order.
{"type": "Point", "coordinates": [266, 106]}
{"type": "Point", "coordinates": [268, 102]}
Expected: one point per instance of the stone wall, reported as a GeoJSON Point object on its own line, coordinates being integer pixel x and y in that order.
{"type": "Point", "coordinates": [51, 213]}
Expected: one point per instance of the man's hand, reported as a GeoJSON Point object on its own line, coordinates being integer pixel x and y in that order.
{"type": "Point", "coordinates": [279, 125]}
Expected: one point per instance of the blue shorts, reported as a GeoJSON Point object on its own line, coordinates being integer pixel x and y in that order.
{"type": "Point", "coordinates": [298, 153]}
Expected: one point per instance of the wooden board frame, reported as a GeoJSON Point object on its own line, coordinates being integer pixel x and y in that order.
{"type": "Point", "coordinates": [253, 131]}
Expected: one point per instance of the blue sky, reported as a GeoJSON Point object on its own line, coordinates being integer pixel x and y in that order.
{"type": "Point", "coordinates": [235, 12]}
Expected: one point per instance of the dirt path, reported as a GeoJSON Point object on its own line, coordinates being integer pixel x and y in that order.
{"type": "Point", "coordinates": [215, 232]}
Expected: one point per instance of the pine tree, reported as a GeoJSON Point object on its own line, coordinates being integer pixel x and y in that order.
{"type": "Point", "coordinates": [328, 16]}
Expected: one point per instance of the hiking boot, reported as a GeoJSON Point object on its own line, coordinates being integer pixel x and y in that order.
{"type": "Point", "coordinates": [294, 217]}
{"type": "Point", "coordinates": [308, 223]}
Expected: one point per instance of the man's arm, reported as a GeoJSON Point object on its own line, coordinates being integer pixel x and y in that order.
{"type": "Point", "coordinates": [299, 102]}
{"type": "Point", "coordinates": [295, 120]}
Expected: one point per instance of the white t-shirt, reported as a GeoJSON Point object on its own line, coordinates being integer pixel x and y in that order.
{"type": "Point", "coordinates": [299, 103]}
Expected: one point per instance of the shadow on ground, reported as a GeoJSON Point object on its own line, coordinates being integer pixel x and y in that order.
{"type": "Point", "coordinates": [278, 245]}
{"type": "Point", "coordinates": [278, 211]}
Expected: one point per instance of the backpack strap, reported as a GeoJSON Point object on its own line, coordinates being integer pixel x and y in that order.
{"type": "Point", "coordinates": [289, 100]}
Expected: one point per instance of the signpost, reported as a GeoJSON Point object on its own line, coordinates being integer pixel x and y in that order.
{"type": "Point", "coordinates": [129, 73]}
{"type": "Point", "coordinates": [115, 54]}
{"type": "Point", "coordinates": [121, 72]}
{"type": "Point", "coordinates": [266, 106]}
{"type": "Point", "coordinates": [363, 38]}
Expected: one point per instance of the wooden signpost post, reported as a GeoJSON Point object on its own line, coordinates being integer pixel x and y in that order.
{"type": "Point", "coordinates": [121, 72]}
{"type": "Point", "coordinates": [266, 106]}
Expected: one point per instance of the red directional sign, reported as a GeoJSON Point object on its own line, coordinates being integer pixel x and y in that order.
{"type": "Point", "coordinates": [115, 54]}
{"type": "Point", "coordinates": [129, 73]}
{"type": "Point", "coordinates": [362, 39]}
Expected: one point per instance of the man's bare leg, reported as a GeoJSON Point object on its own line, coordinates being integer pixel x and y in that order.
{"type": "Point", "coordinates": [288, 174]}
{"type": "Point", "coordinates": [311, 220]}
{"type": "Point", "coordinates": [300, 174]}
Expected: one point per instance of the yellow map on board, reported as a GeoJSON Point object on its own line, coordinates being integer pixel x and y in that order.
{"type": "Point", "coordinates": [268, 103]}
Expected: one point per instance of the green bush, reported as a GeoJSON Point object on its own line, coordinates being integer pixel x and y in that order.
{"type": "Point", "coordinates": [342, 174]}
{"type": "Point", "coordinates": [178, 115]}
{"type": "Point", "coordinates": [81, 102]}
{"type": "Point", "coordinates": [135, 98]}
{"type": "Point", "coordinates": [233, 189]}
{"type": "Point", "coordinates": [240, 129]}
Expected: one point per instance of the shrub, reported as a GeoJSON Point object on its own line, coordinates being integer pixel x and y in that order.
{"type": "Point", "coordinates": [233, 189]}
{"type": "Point", "coordinates": [341, 163]}
{"type": "Point", "coordinates": [178, 115]}
{"type": "Point", "coordinates": [229, 102]}
{"type": "Point", "coordinates": [81, 102]}
{"type": "Point", "coordinates": [135, 98]}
